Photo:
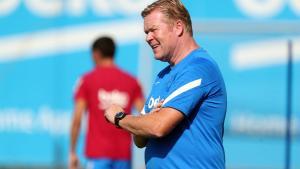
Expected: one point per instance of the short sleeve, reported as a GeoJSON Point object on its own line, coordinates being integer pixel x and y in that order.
{"type": "Point", "coordinates": [80, 89]}
{"type": "Point", "coordinates": [137, 92]}
{"type": "Point", "coordinates": [189, 88]}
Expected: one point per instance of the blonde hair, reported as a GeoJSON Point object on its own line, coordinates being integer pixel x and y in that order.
{"type": "Point", "coordinates": [173, 10]}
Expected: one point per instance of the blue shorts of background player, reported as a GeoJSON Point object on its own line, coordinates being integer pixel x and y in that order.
{"type": "Point", "coordinates": [108, 164]}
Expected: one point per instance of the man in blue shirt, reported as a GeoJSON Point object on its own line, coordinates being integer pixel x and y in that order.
{"type": "Point", "coordinates": [183, 119]}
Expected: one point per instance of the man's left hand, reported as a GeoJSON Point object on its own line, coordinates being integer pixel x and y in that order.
{"type": "Point", "coordinates": [111, 111]}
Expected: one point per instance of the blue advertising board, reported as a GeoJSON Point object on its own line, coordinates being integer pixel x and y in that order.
{"type": "Point", "coordinates": [45, 47]}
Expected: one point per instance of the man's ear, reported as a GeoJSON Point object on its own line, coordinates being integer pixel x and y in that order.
{"type": "Point", "coordinates": [179, 27]}
{"type": "Point", "coordinates": [96, 56]}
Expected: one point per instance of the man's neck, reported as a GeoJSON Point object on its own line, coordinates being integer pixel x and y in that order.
{"type": "Point", "coordinates": [106, 62]}
{"type": "Point", "coordinates": [183, 48]}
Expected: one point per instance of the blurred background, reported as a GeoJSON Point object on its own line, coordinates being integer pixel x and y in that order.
{"type": "Point", "coordinates": [45, 47]}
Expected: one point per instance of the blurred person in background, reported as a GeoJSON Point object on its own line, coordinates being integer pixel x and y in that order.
{"type": "Point", "coordinates": [106, 147]}
{"type": "Point", "coordinates": [185, 130]}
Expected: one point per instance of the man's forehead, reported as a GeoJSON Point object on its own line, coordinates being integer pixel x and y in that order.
{"type": "Point", "coordinates": [151, 25]}
{"type": "Point", "coordinates": [154, 20]}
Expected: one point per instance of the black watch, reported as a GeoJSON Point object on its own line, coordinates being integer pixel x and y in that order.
{"type": "Point", "coordinates": [119, 116]}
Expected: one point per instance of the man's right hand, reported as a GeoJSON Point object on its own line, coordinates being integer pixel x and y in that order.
{"type": "Point", "coordinates": [73, 161]}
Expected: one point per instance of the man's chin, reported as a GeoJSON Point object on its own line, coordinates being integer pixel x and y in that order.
{"type": "Point", "coordinates": [157, 57]}
{"type": "Point", "coordinates": [160, 58]}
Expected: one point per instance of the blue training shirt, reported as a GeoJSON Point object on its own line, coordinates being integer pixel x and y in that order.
{"type": "Point", "coordinates": [196, 142]}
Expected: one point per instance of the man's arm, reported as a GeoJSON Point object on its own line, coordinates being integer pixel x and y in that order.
{"type": "Point", "coordinates": [139, 141]}
{"type": "Point", "coordinates": [139, 104]}
{"type": "Point", "coordinates": [157, 123]}
{"type": "Point", "coordinates": [80, 107]}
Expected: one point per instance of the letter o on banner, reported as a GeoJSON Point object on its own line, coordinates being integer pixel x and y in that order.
{"type": "Point", "coordinates": [260, 9]}
{"type": "Point", "coordinates": [8, 6]}
{"type": "Point", "coordinates": [295, 6]}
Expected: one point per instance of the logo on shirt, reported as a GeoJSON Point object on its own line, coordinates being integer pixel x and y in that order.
{"type": "Point", "coordinates": [107, 98]}
{"type": "Point", "coordinates": [153, 102]}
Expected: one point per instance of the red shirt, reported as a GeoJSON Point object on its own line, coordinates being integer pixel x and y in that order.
{"type": "Point", "coordinates": [100, 88]}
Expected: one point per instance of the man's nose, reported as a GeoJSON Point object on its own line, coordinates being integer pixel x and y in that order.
{"type": "Point", "coordinates": [149, 37]}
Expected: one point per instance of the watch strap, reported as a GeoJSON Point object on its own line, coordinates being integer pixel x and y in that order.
{"type": "Point", "coordinates": [119, 116]}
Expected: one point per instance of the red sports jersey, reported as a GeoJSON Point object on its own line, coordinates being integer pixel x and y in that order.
{"type": "Point", "coordinates": [100, 88]}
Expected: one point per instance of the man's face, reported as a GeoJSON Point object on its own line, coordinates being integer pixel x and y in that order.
{"type": "Point", "coordinates": [160, 35]}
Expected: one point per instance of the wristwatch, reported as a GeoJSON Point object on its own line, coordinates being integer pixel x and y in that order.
{"type": "Point", "coordinates": [119, 116]}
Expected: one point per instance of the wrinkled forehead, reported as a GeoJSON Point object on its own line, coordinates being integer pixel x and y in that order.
{"type": "Point", "coordinates": [155, 19]}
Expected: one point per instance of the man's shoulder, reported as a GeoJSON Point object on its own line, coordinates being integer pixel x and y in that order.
{"type": "Point", "coordinates": [125, 76]}
{"type": "Point", "coordinates": [202, 61]}
{"type": "Point", "coordinates": [201, 57]}
{"type": "Point", "coordinates": [87, 75]}
{"type": "Point", "coordinates": [199, 65]}
{"type": "Point", "coordinates": [114, 72]}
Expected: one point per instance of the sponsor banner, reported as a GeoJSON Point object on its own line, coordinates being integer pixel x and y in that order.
{"type": "Point", "coordinates": [45, 47]}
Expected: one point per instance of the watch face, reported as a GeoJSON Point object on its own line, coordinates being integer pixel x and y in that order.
{"type": "Point", "coordinates": [120, 115]}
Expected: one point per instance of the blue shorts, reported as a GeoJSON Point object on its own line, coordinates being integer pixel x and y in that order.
{"type": "Point", "coordinates": [108, 164]}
